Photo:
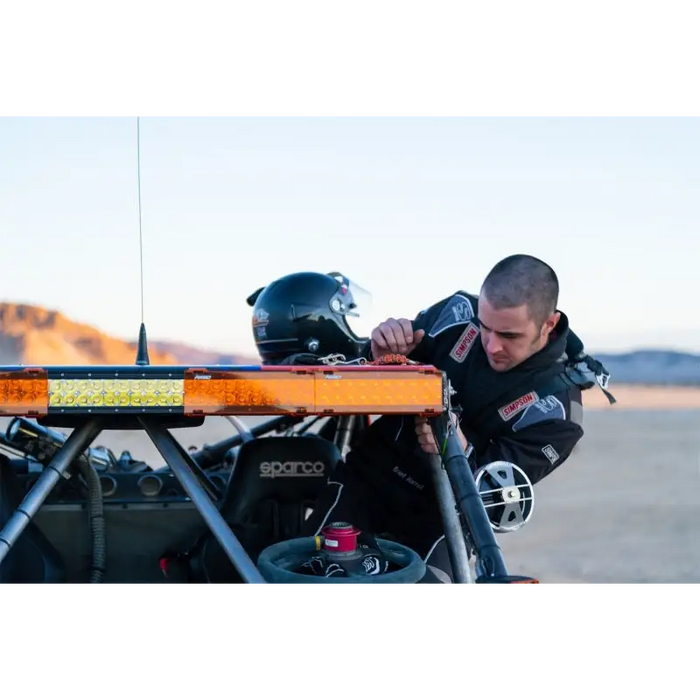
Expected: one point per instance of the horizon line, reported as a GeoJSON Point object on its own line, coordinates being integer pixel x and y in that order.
{"type": "Point", "coordinates": [593, 349]}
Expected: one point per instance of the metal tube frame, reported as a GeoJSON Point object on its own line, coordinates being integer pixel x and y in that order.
{"type": "Point", "coordinates": [182, 465]}
{"type": "Point", "coordinates": [76, 443]}
{"type": "Point", "coordinates": [489, 557]}
{"type": "Point", "coordinates": [454, 534]}
{"type": "Point", "coordinates": [211, 489]}
{"type": "Point", "coordinates": [343, 433]}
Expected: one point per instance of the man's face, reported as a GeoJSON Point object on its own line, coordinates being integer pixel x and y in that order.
{"type": "Point", "coordinates": [510, 336]}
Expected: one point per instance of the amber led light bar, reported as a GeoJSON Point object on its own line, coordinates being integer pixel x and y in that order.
{"type": "Point", "coordinates": [23, 392]}
{"type": "Point", "coordinates": [244, 390]}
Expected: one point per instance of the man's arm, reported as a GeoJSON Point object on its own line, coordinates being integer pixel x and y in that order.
{"type": "Point", "coordinates": [537, 449]}
{"type": "Point", "coordinates": [406, 337]}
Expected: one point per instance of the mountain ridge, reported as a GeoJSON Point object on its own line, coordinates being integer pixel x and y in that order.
{"type": "Point", "coordinates": [31, 334]}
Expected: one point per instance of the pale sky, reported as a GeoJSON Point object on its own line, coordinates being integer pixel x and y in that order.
{"type": "Point", "coordinates": [413, 209]}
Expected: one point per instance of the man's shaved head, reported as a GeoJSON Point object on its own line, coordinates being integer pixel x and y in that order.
{"type": "Point", "coordinates": [523, 280]}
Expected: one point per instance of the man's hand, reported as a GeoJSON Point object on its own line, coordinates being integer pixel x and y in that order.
{"type": "Point", "coordinates": [395, 337]}
{"type": "Point", "coordinates": [426, 439]}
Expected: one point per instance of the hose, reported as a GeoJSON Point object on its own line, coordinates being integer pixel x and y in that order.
{"type": "Point", "coordinates": [97, 522]}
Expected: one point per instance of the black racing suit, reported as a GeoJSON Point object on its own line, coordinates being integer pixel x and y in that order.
{"type": "Point", "coordinates": [385, 484]}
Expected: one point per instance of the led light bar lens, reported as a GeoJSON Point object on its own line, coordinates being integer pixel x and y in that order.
{"type": "Point", "coordinates": [378, 392]}
{"type": "Point", "coordinates": [266, 393]}
{"type": "Point", "coordinates": [270, 392]}
{"type": "Point", "coordinates": [24, 392]}
{"type": "Point", "coordinates": [115, 393]}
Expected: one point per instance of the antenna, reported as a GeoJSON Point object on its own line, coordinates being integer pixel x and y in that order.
{"type": "Point", "coordinates": [142, 351]}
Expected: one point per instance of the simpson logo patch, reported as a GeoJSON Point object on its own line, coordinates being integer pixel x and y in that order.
{"type": "Point", "coordinates": [465, 342]}
{"type": "Point", "coordinates": [514, 407]}
{"type": "Point", "coordinates": [548, 408]}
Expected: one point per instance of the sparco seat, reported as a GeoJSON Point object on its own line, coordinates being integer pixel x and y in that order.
{"type": "Point", "coordinates": [275, 480]}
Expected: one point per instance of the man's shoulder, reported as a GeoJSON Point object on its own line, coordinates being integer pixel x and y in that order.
{"type": "Point", "coordinates": [461, 296]}
{"type": "Point", "coordinates": [458, 309]}
{"type": "Point", "coordinates": [542, 404]}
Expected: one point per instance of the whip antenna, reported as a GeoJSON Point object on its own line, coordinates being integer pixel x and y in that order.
{"type": "Point", "coordinates": [142, 351]}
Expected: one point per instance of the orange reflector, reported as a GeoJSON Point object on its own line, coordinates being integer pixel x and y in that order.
{"type": "Point", "coordinates": [24, 392]}
{"type": "Point", "coordinates": [314, 391]}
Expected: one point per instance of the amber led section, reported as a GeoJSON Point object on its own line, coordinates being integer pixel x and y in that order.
{"type": "Point", "coordinates": [380, 392]}
{"type": "Point", "coordinates": [24, 392]}
{"type": "Point", "coordinates": [315, 392]}
{"type": "Point", "coordinates": [244, 392]}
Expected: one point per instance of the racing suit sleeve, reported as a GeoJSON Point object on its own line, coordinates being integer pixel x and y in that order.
{"type": "Point", "coordinates": [537, 449]}
{"type": "Point", "coordinates": [423, 321]}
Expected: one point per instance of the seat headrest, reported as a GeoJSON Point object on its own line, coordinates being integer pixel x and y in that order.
{"type": "Point", "coordinates": [288, 449]}
{"type": "Point", "coordinates": [285, 468]}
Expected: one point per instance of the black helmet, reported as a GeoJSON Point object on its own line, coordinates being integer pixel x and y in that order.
{"type": "Point", "coordinates": [307, 312]}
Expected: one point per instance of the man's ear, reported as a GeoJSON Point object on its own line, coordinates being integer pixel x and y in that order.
{"type": "Point", "coordinates": [551, 322]}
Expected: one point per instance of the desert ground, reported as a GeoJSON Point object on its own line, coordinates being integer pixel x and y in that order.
{"type": "Point", "coordinates": [624, 508]}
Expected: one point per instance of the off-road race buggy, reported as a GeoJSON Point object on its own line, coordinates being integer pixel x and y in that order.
{"type": "Point", "coordinates": [232, 511]}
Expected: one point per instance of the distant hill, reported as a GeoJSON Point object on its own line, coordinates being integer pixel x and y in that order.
{"type": "Point", "coordinates": [35, 335]}
{"type": "Point", "coordinates": [653, 367]}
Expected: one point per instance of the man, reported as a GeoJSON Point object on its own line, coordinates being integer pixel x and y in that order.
{"type": "Point", "coordinates": [509, 355]}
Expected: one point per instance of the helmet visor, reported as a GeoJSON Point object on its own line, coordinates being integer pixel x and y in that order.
{"type": "Point", "coordinates": [355, 304]}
